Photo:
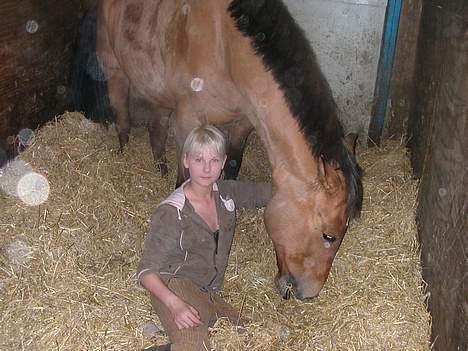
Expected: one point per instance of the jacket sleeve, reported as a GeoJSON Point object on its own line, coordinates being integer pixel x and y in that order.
{"type": "Point", "coordinates": [161, 240]}
{"type": "Point", "coordinates": [246, 194]}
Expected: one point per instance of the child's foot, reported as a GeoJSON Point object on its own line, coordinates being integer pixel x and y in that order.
{"type": "Point", "coordinates": [166, 347]}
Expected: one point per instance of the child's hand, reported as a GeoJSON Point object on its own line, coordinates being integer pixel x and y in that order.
{"type": "Point", "coordinates": [185, 315]}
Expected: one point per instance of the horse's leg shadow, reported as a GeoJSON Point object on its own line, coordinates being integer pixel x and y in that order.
{"type": "Point", "coordinates": [236, 140]}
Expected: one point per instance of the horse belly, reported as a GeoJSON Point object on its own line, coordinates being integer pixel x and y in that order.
{"type": "Point", "coordinates": [151, 84]}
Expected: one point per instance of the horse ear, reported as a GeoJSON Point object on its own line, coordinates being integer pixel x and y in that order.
{"type": "Point", "coordinates": [350, 141]}
{"type": "Point", "coordinates": [322, 170]}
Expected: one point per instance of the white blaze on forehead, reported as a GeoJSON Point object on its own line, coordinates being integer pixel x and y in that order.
{"type": "Point", "coordinates": [33, 189]}
{"type": "Point", "coordinates": [196, 84]}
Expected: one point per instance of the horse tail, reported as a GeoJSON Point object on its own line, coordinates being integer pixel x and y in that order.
{"type": "Point", "coordinates": [89, 92]}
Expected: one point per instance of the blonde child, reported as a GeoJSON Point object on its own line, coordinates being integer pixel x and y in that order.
{"type": "Point", "coordinates": [187, 248]}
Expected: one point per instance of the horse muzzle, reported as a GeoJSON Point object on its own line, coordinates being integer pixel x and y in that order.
{"type": "Point", "coordinates": [289, 286]}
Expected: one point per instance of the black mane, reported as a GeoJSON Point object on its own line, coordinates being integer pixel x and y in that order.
{"type": "Point", "coordinates": [286, 52]}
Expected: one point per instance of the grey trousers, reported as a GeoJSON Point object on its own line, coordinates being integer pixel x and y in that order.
{"type": "Point", "coordinates": [210, 306]}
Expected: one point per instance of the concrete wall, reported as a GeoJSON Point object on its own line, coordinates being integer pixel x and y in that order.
{"type": "Point", "coordinates": [346, 36]}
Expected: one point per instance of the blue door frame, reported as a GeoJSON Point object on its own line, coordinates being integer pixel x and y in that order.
{"type": "Point", "coordinates": [384, 71]}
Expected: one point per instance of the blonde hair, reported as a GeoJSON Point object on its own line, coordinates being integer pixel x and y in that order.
{"type": "Point", "coordinates": [202, 137]}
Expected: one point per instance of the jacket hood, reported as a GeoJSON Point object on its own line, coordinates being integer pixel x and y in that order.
{"type": "Point", "coordinates": [177, 197]}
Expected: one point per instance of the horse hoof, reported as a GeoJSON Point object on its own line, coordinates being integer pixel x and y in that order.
{"type": "Point", "coordinates": [123, 140]}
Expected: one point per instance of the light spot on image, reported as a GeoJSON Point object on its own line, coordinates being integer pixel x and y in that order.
{"type": "Point", "coordinates": [112, 130]}
{"type": "Point", "coordinates": [186, 9]}
{"type": "Point", "coordinates": [33, 189]}
{"type": "Point", "coordinates": [150, 329]}
{"type": "Point", "coordinates": [11, 139]}
{"type": "Point", "coordinates": [18, 253]}
{"type": "Point", "coordinates": [283, 332]}
{"type": "Point", "coordinates": [87, 125]}
{"type": "Point", "coordinates": [61, 90]}
{"type": "Point", "coordinates": [32, 26]}
{"type": "Point", "coordinates": [26, 137]}
{"type": "Point", "coordinates": [196, 84]}
{"type": "Point", "coordinates": [10, 175]}
{"type": "Point", "coordinates": [260, 36]}
{"type": "Point", "coordinates": [442, 192]}
{"type": "Point", "coordinates": [94, 69]}
{"type": "Point", "coordinates": [244, 21]}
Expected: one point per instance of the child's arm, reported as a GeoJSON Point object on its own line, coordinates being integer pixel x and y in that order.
{"type": "Point", "coordinates": [162, 240]}
{"type": "Point", "coordinates": [247, 194]}
{"type": "Point", "coordinates": [185, 315]}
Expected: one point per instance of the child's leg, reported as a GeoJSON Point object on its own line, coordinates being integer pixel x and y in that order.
{"type": "Point", "coordinates": [191, 339]}
{"type": "Point", "coordinates": [224, 309]}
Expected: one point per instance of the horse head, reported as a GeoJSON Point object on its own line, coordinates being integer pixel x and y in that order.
{"type": "Point", "coordinates": [307, 220]}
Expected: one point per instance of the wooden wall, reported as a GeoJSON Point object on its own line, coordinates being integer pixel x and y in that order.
{"type": "Point", "coordinates": [34, 62]}
{"type": "Point", "coordinates": [438, 141]}
{"type": "Point", "coordinates": [402, 83]}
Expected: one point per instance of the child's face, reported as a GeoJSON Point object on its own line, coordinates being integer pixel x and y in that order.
{"type": "Point", "coordinates": [205, 166]}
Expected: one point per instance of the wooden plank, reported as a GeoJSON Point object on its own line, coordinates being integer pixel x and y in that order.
{"type": "Point", "coordinates": [439, 145]}
{"type": "Point", "coordinates": [402, 84]}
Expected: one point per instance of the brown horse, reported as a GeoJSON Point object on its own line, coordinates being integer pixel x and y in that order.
{"type": "Point", "coordinates": [242, 64]}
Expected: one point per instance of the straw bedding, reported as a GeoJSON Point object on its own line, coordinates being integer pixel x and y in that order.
{"type": "Point", "coordinates": [67, 265]}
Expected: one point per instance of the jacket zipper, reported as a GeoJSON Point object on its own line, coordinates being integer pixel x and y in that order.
{"type": "Point", "coordinates": [215, 238]}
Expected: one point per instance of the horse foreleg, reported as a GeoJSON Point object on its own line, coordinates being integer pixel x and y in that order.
{"type": "Point", "coordinates": [158, 127]}
{"type": "Point", "coordinates": [237, 138]}
{"type": "Point", "coordinates": [116, 80]}
{"type": "Point", "coordinates": [156, 119]}
{"type": "Point", "coordinates": [186, 120]}
{"type": "Point", "coordinates": [118, 85]}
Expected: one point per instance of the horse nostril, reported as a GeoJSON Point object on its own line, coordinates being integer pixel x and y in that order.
{"type": "Point", "coordinates": [288, 292]}
{"type": "Point", "coordinates": [286, 285]}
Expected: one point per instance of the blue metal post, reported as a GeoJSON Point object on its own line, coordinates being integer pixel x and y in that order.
{"type": "Point", "coordinates": [384, 73]}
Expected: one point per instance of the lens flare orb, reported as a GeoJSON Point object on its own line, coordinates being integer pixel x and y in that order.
{"type": "Point", "coordinates": [33, 189]}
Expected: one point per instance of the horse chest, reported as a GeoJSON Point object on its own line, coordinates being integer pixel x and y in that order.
{"type": "Point", "coordinates": [148, 79]}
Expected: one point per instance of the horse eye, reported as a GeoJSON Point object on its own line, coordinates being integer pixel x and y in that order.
{"type": "Point", "coordinates": [329, 238]}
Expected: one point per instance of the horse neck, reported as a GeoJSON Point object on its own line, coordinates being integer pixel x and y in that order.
{"type": "Point", "coordinates": [290, 155]}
